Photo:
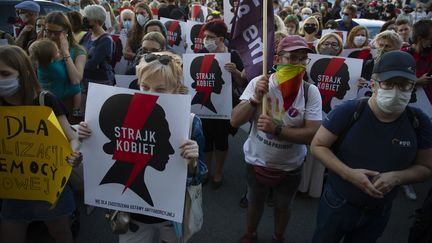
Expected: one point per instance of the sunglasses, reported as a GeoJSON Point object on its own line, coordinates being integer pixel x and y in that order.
{"type": "Point", "coordinates": [164, 59]}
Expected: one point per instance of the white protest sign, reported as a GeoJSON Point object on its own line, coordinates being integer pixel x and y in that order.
{"type": "Point", "coordinates": [195, 37]}
{"type": "Point", "coordinates": [335, 77]}
{"type": "Point", "coordinates": [422, 100]}
{"type": "Point", "coordinates": [229, 9]}
{"type": "Point", "coordinates": [132, 159]}
{"type": "Point", "coordinates": [342, 34]}
{"type": "Point", "coordinates": [176, 34]}
{"type": "Point", "coordinates": [209, 84]}
{"type": "Point", "coordinates": [198, 13]}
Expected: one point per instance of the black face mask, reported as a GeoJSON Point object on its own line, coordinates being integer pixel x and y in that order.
{"type": "Point", "coordinates": [86, 23]}
{"type": "Point", "coordinates": [309, 29]}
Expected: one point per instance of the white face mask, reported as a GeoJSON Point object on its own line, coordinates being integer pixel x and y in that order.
{"type": "Point", "coordinates": [9, 87]}
{"type": "Point", "coordinates": [305, 16]}
{"type": "Point", "coordinates": [392, 101]}
{"type": "Point", "coordinates": [359, 40]}
{"type": "Point", "coordinates": [210, 45]}
{"type": "Point", "coordinates": [127, 24]}
{"type": "Point", "coordinates": [142, 20]}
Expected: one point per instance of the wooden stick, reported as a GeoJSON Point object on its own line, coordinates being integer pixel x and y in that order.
{"type": "Point", "coordinates": [264, 67]}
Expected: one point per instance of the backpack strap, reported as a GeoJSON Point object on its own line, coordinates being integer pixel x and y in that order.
{"type": "Point", "coordinates": [306, 86]}
{"type": "Point", "coordinates": [42, 97]}
{"type": "Point", "coordinates": [361, 104]}
{"type": "Point", "coordinates": [415, 122]}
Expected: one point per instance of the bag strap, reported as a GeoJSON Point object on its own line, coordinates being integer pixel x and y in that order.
{"type": "Point", "coordinates": [361, 104]}
{"type": "Point", "coordinates": [42, 97]}
{"type": "Point", "coordinates": [306, 86]}
{"type": "Point", "coordinates": [415, 122]}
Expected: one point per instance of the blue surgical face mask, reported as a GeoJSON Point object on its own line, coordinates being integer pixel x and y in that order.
{"type": "Point", "coordinates": [127, 24]}
{"type": "Point", "coordinates": [345, 18]}
{"type": "Point", "coordinates": [9, 87]}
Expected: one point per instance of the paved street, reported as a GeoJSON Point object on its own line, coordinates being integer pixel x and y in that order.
{"type": "Point", "coordinates": [225, 220]}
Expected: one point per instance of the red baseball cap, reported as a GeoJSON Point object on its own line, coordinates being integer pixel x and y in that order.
{"type": "Point", "coordinates": [292, 43]}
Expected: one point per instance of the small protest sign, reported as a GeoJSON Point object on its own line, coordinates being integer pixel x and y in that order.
{"type": "Point", "coordinates": [198, 13]}
{"type": "Point", "coordinates": [195, 37]}
{"type": "Point", "coordinates": [33, 150]}
{"type": "Point", "coordinates": [209, 84]}
{"type": "Point", "coordinates": [335, 77]}
{"type": "Point", "coordinates": [176, 34]}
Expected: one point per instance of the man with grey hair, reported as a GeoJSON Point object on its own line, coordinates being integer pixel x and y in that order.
{"type": "Point", "coordinates": [371, 147]}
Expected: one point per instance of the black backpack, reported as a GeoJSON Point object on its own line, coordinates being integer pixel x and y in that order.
{"type": "Point", "coordinates": [361, 104]}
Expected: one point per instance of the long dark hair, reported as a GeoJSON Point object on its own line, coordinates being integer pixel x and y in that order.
{"type": "Point", "coordinates": [16, 58]}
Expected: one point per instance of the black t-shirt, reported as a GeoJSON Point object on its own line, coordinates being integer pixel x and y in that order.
{"type": "Point", "coordinates": [51, 101]}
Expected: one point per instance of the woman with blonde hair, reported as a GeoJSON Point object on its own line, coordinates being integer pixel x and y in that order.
{"type": "Point", "coordinates": [358, 37]}
{"type": "Point", "coordinates": [161, 72]}
{"type": "Point", "coordinates": [309, 31]}
{"type": "Point", "coordinates": [330, 44]}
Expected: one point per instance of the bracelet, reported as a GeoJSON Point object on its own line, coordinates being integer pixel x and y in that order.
{"type": "Point", "coordinates": [66, 58]}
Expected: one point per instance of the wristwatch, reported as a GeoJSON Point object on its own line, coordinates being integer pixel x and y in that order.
{"type": "Point", "coordinates": [278, 130]}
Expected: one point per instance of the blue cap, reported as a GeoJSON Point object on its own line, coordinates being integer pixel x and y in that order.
{"type": "Point", "coordinates": [395, 64]}
{"type": "Point", "coordinates": [29, 6]}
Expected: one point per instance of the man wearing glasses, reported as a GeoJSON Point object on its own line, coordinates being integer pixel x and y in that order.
{"type": "Point", "coordinates": [275, 149]}
{"type": "Point", "coordinates": [28, 11]}
{"type": "Point", "coordinates": [347, 23]}
{"type": "Point", "coordinates": [388, 145]}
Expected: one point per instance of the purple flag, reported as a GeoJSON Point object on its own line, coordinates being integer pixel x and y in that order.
{"type": "Point", "coordinates": [247, 35]}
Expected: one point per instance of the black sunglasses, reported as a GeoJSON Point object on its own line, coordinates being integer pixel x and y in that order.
{"type": "Point", "coordinates": [164, 59]}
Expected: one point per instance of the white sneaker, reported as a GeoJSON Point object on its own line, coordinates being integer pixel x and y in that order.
{"type": "Point", "coordinates": [410, 192]}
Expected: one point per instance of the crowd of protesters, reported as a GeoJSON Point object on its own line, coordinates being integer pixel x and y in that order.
{"type": "Point", "coordinates": [310, 152]}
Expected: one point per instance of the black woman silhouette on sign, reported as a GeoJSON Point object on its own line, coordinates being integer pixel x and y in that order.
{"type": "Point", "coordinates": [174, 32]}
{"type": "Point", "coordinates": [331, 76]}
{"type": "Point", "coordinates": [207, 76]}
{"type": "Point", "coordinates": [139, 137]}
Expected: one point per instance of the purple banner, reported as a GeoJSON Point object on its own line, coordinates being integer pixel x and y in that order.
{"type": "Point", "coordinates": [247, 35]}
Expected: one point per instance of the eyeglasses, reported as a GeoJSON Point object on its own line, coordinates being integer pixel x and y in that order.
{"type": "Point", "coordinates": [296, 59]}
{"type": "Point", "coordinates": [403, 86]}
{"type": "Point", "coordinates": [164, 59]}
{"type": "Point", "coordinates": [334, 45]}
{"type": "Point", "coordinates": [150, 50]}
{"type": "Point", "coordinates": [53, 32]}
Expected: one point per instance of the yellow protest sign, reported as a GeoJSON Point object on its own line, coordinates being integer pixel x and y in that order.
{"type": "Point", "coordinates": [33, 150]}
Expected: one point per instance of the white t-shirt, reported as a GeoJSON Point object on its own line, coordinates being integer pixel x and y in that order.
{"type": "Point", "coordinates": [264, 149]}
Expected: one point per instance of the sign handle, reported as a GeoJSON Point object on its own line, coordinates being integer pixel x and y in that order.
{"type": "Point", "coordinates": [265, 50]}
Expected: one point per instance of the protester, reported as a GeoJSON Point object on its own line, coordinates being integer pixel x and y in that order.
{"type": "Point", "coordinates": [306, 13]}
{"type": "Point", "coordinates": [292, 25]}
{"type": "Point", "coordinates": [126, 20]}
{"type": "Point", "coordinates": [360, 187]}
{"type": "Point", "coordinates": [389, 25]}
{"type": "Point", "coordinates": [384, 42]}
{"type": "Point", "coordinates": [372, 12]}
{"type": "Point", "coordinates": [309, 31]}
{"type": "Point", "coordinates": [403, 28]}
{"type": "Point", "coordinates": [275, 126]}
{"type": "Point", "coordinates": [115, 26]}
{"type": "Point", "coordinates": [330, 44]}
{"type": "Point", "coordinates": [99, 47]}
{"type": "Point", "coordinates": [347, 22]}
{"type": "Point", "coordinates": [76, 21]}
{"type": "Point", "coordinates": [152, 42]}
{"type": "Point", "coordinates": [18, 87]}
{"type": "Point", "coordinates": [358, 37]}
{"type": "Point", "coordinates": [331, 24]}
{"type": "Point", "coordinates": [28, 11]}
{"type": "Point", "coordinates": [216, 131]}
{"type": "Point", "coordinates": [162, 73]}
{"type": "Point", "coordinates": [63, 75]}
{"type": "Point", "coordinates": [419, 13]}
{"type": "Point", "coordinates": [133, 42]}
{"type": "Point", "coordinates": [40, 27]}
{"type": "Point", "coordinates": [406, 14]}
{"type": "Point", "coordinates": [325, 13]}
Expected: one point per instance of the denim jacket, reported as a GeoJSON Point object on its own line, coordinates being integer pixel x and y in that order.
{"type": "Point", "coordinates": [198, 136]}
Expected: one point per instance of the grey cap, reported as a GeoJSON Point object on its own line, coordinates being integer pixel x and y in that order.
{"type": "Point", "coordinates": [29, 6]}
{"type": "Point", "coordinates": [395, 64]}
